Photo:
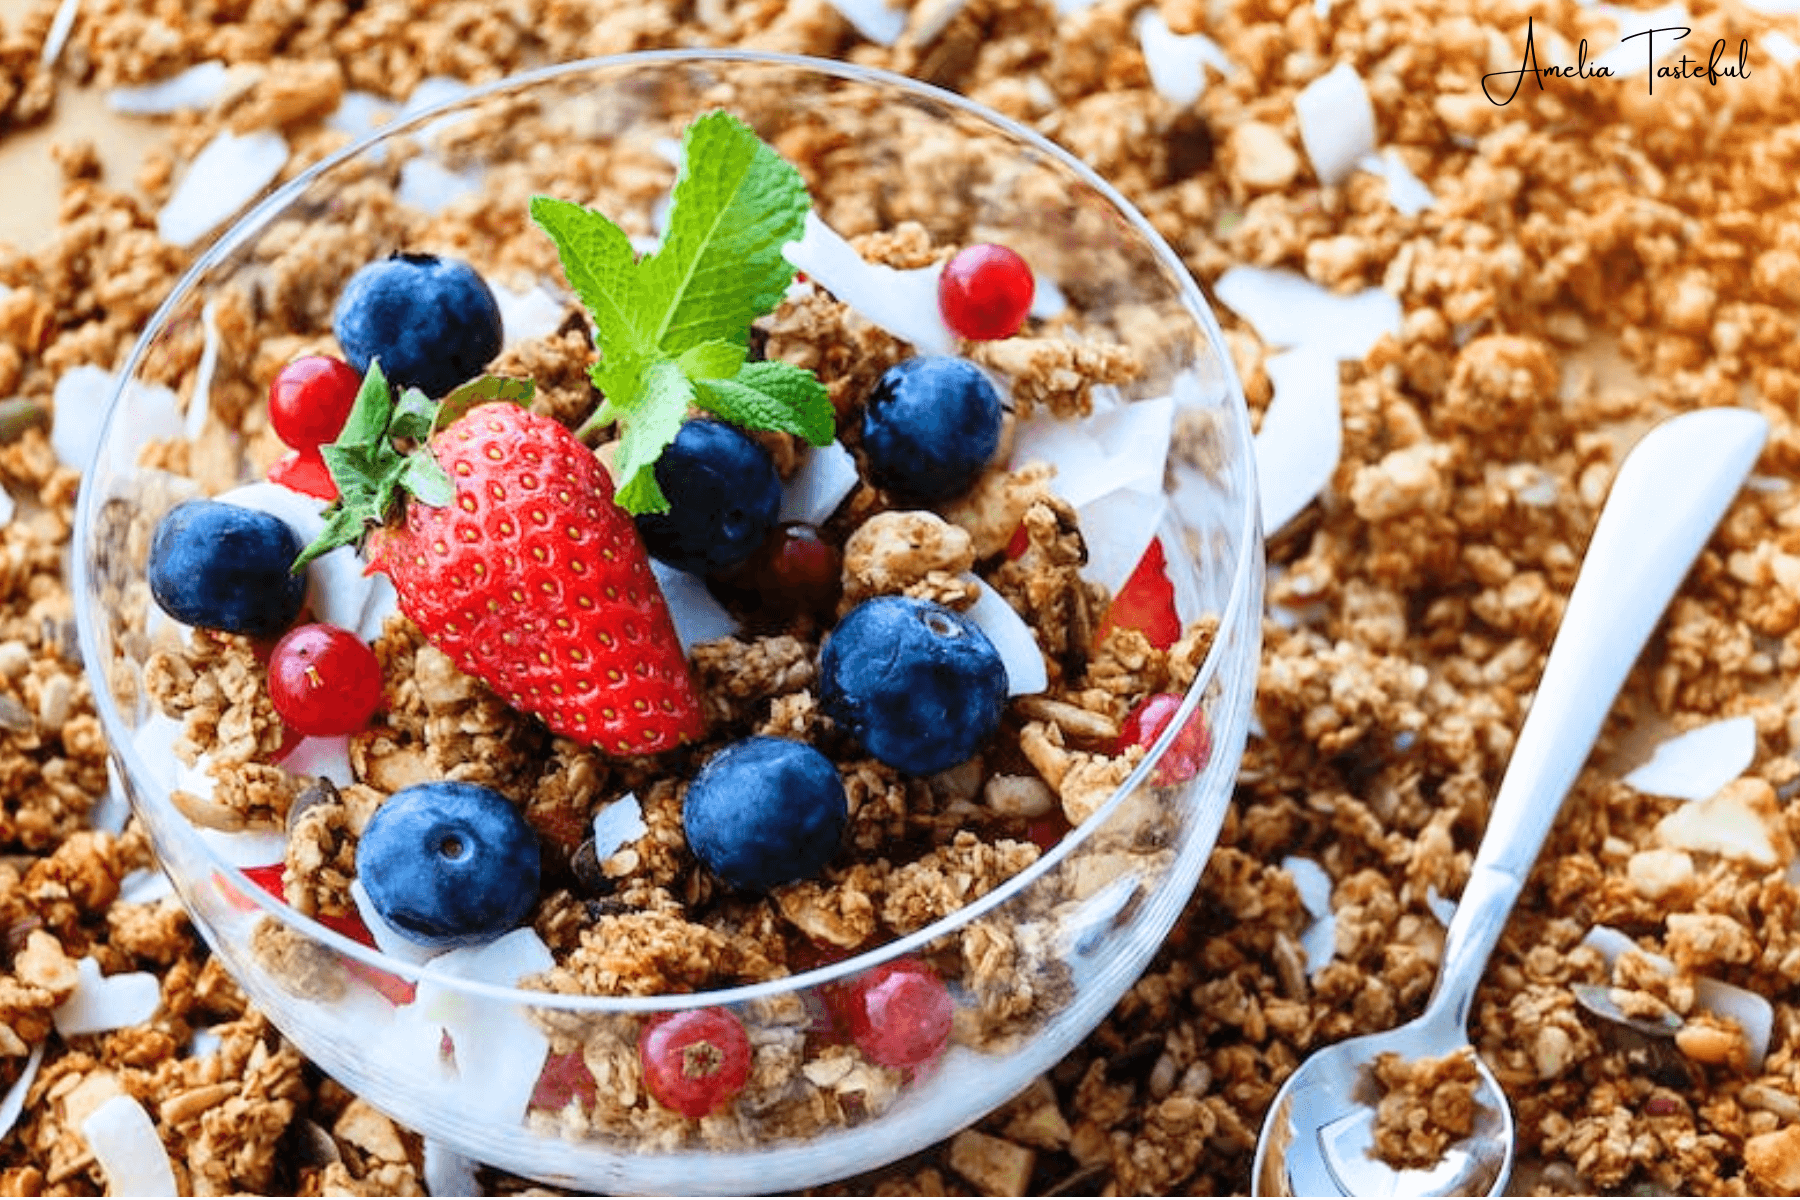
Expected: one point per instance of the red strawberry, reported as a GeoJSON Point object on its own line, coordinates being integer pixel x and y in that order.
{"type": "Point", "coordinates": [527, 575]}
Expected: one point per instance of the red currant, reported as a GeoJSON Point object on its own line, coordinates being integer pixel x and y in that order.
{"type": "Point", "coordinates": [1146, 602]}
{"type": "Point", "coordinates": [1046, 831]}
{"type": "Point", "coordinates": [898, 1014]}
{"type": "Point", "coordinates": [793, 571]}
{"type": "Point", "coordinates": [694, 1060]}
{"type": "Point", "coordinates": [324, 680]}
{"type": "Point", "coordinates": [310, 398]}
{"type": "Point", "coordinates": [985, 292]}
{"type": "Point", "coordinates": [304, 471]}
{"type": "Point", "coordinates": [1186, 756]}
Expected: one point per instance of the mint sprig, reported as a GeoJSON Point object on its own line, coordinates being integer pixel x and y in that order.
{"type": "Point", "coordinates": [673, 328]}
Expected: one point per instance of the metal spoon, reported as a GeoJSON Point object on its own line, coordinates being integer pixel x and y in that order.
{"type": "Point", "coordinates": [1670, 492]}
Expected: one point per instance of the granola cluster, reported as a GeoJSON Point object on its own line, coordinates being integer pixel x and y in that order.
{"type": "Point", "coordinates": [1597, 256]}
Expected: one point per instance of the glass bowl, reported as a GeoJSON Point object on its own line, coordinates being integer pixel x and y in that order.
{"type": "Point", "coordinates": [450, 1047]}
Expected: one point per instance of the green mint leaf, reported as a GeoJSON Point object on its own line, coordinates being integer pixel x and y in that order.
{"type": "Point", "coordinates": [484, 390]}
{"type": "Point", "coordinates": [412, 416]}
{"type": "Point", "coordinates": [427, 480]}
{"type": "Point", "coordinates": [658, 418]}
{"type": "Point", "coordinates": [602, 268]}
{"type": "Point", "coordinates": [711, 360]}
{"type": "Point", "coordinates": [343, 526]}
{"type": "Point", "coordinates": [772, 395]}
{"type": "Point", "coordinates": [736, 203]}
{"type": "Point", "coordinates": [373, 409]}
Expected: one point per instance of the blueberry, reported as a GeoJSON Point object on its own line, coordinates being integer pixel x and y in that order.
{"type": "Point", "coordinates": [223, 566]}
{"type": "Point", "coordinates": [724, 497]}
{"type": "Point", "coordinates": [431, 321]}
{"type": "Point", "coordinates": [765, 811]}
{"type": "Point", "coordinates": [449, 864]}
{"type": "Point", "coordinates": [920, 686]}
{"type": "Point", "coordinates": [929, 427]}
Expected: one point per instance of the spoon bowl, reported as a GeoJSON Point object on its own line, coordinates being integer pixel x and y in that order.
{"type": "Point", "coordinates": [1671, 491]}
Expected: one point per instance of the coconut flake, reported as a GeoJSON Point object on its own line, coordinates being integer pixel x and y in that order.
{"type": "Point", "coordinates": [1319, 940]}
{"type": "Point", "coordinates": [250, 848]}
{"type": "Point", "coordinates": [1337, 122]}
{"type": "Point", "coordinates": [1778, 45]}
{"type": "Point", "coordinates": [1698, 763]}
{"type": "Point", "coordinates": [429, 186]}
{"type": "Point", "coordinates": [873, 19]}
{"type": "Point", "coordinates": [60, 27]}
{"type": "Point", "coordinates": [1012, 637]}
{"type": "Point", "coordinates": [1405, 191]}
{"type": "Point", "coordinates": [826, 475]}
{"type": "Point", "coordinates": [1632, 57]}
{"type": "Point", "coordinates": [199, 404]}
{"type": "Point", "coordinates": [13, 1103]}
{"type": "Point", "coordinates": [448, 1173]}
{"type": "Point", "coordinates": [102, 1003]}
{"type": "Point", "coordinates": [1047, 300]}
{"type": "Point", "coordinates": [197, 87]}
{"type": "Point", "coordinates": [499, 1053]}
{"type": "Point", "coordinates": [1118, 527]}
{"type": "Point", "coordinates": [1288, 309]}
{"type": "Point", "coordinates": [532, 313]}
{"type": "Point", "coordinates": [78, 406]}
{"type": "Point", "coordinates": [131, 1155]}
{"type": "Point", "coordinates": [1752, 1012]}
{"type": "Point", "coordinates": [1301, 438]}
{"type": "Point", "coordinates": [1177, 61]}
{"type": "Point", "coordinates": [204, 1042]}
{"type": "Point", "coordinates": [321, 757]}
{"type": "Point", "coordinates": [698, 617]}
{"type": "Point", "coordinates": [112, 809]}
{"type": "Point", "coordinates": [226, 175]}
{"type": "Point", "coordinates": [904, 303]}
{"type": "Point", "coordinates": [146, 885]}
{"type": "Point", "coordinates": [617, 825]}
{"type": "Point", "coordinates": [388, 940]}
{"type": "Point", "coordinates": [1741, 821]}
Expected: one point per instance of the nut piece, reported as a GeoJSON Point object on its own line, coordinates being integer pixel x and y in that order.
{"type": "Point", "coordinates": [1741, 821]}
{"type": "Point", "coordinates": [1774, 1160]}
{"type": "Point", "coordinates": [1664, 876]}
{"type": "Point", "coordinates": [1264, 158]}
{"type": "Point", "coordinates": [996, 1166]}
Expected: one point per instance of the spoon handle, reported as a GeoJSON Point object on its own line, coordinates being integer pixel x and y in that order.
{"type": "Point", "coordinates": [1669, 494]}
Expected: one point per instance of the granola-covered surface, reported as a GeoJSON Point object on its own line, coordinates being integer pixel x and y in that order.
{"type": "Point", "coordinates": [1596, 258]}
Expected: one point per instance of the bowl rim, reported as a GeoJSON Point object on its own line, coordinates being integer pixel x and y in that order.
{"type": "Point", "coordinates": [256, 219]}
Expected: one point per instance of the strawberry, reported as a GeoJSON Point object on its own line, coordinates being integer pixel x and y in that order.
{"type": "Point", "coordinates": [1146, 602]}
{"type": "Point", "coordinates": [512, 558]}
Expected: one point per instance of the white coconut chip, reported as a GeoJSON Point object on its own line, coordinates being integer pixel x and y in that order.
{"type": "Point", "coordinates": [146, 885]}
{"type": "Point", "coordinates": [532, 313]}
{"type": "Point", "coordinates": [429, 186]}
{"type": "Point", "coordinates": [499, 1053]}
{"type": "Point", "coordinates": [1406, 192]}
{"type": "Point", "coordinates": [1696, 764]}
{"type": "Point", "coordinates": [1047, 300]}
{"type": "Point", "coordinates": [195, 88]}
{"type": "Point", "coordinates": [1177, 61]}
{"type": "Point", "coordinates": [155, 740]}
{"type": "Point", "coordinates": [873, 19]}
{"type": "Point", "coordinates": [388, 940]}
{"type": "Point", "coordinates": [8, 507]}
{"type": "Point", "coordinates": [131, 1155]}
{"type": "Point", "coordinates": [102, 1003]}
{"type": "Point", "coordinates": [112, 809]}
{"type": "Point", "coordinates": [248, 848]}
{"type": "Point", "coordinates": [61, 25]}
{"type": "Point", "coordinates": [1319, 941]}
{"type": "Point", "coordinates": [327, 757]}
{"type": "Point", "coordinates": [226, 175]}
{"type": "Point", "coordinates": [359, 114]}
{"type": "Point", "coordinates": [1337, 122]}
{"type": "Point", "coordinates": [826, 475]}
{"type": "Point", "coordinates": [199, 405]}
{"type": "Point", "coordinates": [1118, 527]}
{"type": "Point", "coordinates": [904, 303]}
{"type": "Point", "coordinates": [1302, 437]}
{"type": "Point", "coordinates": [1288, 309]}
{"type": "Point", "coordinates": [13, 1103]}
{"type": "Point", "coordinates": [448, 1173]}
{"type": "Point", "coordinates": [617, 825]}
{"type": "Point", "coordinates": [1026, 674]}
{"type": "Point", "coordinates": [1752, 1012]}
{"type": "Point", "coordinates": [1633, 57]}
{"type": "Point", "coordinates": [337, 590]}
{"type": "Point", "coordinates": [1784, 50]}
{"type": "Point", "coordinates": [79, 404]}
{"type": "Point", "coordinates": [697, 616]}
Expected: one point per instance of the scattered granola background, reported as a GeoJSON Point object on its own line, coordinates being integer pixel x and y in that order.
{"type": "Point", "coordinates": [1596, 258]}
